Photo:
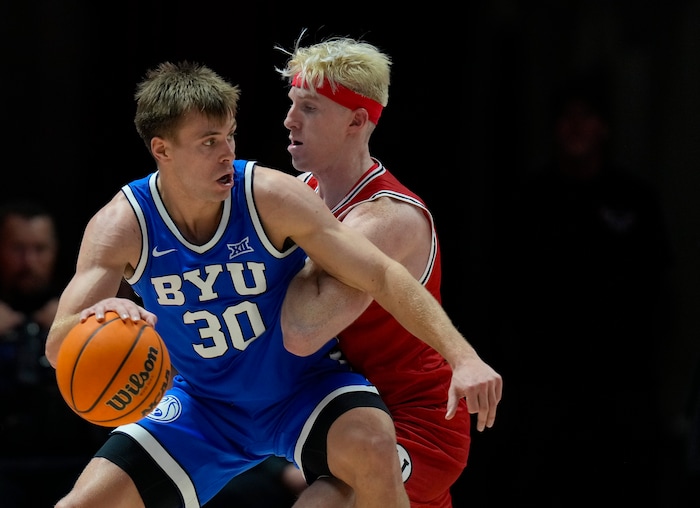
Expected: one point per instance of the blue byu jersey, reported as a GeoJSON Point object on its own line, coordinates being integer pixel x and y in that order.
{"type": "Point", "coordinates": [239, 396]}
{"type": "Point", "coordinates": [219, 304]}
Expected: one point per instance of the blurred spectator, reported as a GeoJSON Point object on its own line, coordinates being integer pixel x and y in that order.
{"type": "Point", "coordinates": [28, 253]}
{"type": "Point", "coordinates": [39, 435]}
{"type": "Point", "coordinates": [584, 278]}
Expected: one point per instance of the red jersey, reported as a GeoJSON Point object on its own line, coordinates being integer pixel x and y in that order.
{"type": "Point", "coordinates": [412, 377]}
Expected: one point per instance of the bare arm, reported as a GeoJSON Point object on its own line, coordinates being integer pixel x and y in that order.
{"type": "Point", "coordinates": [110, 247]}
{"type": "Point", "coordinates": [289, 207]}
{"type": "Point", "coordinates": [318, 306]}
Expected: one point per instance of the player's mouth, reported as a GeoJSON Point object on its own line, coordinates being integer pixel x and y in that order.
{"type": "Point", "coordinates": [293, 144]}
{"type": "Point", "coordinates": [227, 179]}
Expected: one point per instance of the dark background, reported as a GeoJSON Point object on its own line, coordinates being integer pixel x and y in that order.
{"type": "Point", "coordinates": [466, 116]}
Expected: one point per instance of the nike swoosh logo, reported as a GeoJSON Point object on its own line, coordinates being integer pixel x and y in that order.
{"type": "Point", "coordinates": [158, 253]}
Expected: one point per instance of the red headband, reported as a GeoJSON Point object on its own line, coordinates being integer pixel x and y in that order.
{"type": "Point", "coordinates": [345, 97]}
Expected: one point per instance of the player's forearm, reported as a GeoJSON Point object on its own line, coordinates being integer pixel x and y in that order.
{"type": "Point", "coordinates": [59, 329]}
{"type": "Point", "coordinates": [316, 308]}
{"type": "Point", "coordinates": [422, 315]}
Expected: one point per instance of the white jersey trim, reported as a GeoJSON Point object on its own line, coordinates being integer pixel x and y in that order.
{"type": "Point", "coordinates": [143, 258]}
{"type": "Point", "coordinates": [255, 218]}
{"type": "Point", "coordinates": [163, 212]}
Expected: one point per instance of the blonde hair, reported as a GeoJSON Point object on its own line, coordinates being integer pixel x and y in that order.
{"type": "Point", "coordinates": [357, 65]}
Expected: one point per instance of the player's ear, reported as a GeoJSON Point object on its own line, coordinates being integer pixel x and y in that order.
{"type": "Point", "coordinates": [359, 117]}
{"type": "Point", "coordinates": [159, 148]}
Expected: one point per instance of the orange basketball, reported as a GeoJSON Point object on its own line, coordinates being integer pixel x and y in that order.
{"type": "Point", "coordinates": [114, 372]}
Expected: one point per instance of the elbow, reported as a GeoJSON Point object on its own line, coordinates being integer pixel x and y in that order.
{"type": "Point", "coordinates": [57, 334]}
{"type": "Point", "coordinates": [299, 343]}
{"type": "Point", "coordinates": [51, 352]}
{"type": "Point", "coordinates": [301, 334]}
{"type": "Point", "coordinates": [53, 344]}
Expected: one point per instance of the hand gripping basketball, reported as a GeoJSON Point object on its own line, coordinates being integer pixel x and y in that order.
{"type": "Point", "coordinates": [113, 372]}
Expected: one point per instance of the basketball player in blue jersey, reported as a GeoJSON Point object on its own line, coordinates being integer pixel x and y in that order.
{"type": "Point", "coordinates": [210, 244]}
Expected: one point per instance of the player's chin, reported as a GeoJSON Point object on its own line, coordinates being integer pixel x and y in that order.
{"type": "Point", "coordinates": [296, 151]}
{"type": "Point", "coordinates": [303, 164]}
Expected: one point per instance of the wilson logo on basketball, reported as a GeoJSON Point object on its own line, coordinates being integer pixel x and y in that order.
{"type": "Point", "coordinates": [138, 381]}
{"type": "Point", "coordinates": [159, 396]}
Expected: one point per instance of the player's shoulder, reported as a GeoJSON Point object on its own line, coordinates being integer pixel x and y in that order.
{"type": "Point", "coordinates": [277, 181]}
{"type": "Point", "coordinates": [285, 196]}
{"type": "Point", "coordinates": [388, 209]}
{"type": "Point", "coordinates": [385, 220]}
{"type": "Point", "coordinates": [261, 169]}
{"type": "Point", "coordinates": [113, 234]}
{"type": "Point", "coordinates": [115, 215]}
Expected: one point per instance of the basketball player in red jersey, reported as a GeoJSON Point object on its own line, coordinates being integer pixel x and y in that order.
{"type": "Point", "coordinates": [338, 90]}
